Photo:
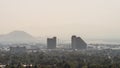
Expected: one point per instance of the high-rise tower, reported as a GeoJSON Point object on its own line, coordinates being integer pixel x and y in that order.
{"type": "Point", "coordinates": [77, 43]}
{"type": "Point", "coordinates": [51, 43]}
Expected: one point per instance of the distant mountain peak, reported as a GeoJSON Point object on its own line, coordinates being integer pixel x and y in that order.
{"type": "Point", "coordinates": [19, 36]}
{"type": "Point", "coordinates": [18, 33]}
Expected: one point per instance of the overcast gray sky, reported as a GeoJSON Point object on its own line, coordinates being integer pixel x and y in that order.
{"type": "Point", "coordinates": [63, 18]}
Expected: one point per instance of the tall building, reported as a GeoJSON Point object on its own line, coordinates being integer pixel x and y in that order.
{"type": "Point", "coordinates": [51, 43]}
{"type": "Point", "coordinates": [78, 43]}
{"type": "Point", "coordinates": [73, 42]}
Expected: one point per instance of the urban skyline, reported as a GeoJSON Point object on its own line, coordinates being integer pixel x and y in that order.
{"type": "Point", "coordinates": [59, 34]}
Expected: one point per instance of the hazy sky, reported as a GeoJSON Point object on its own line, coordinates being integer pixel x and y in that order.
{"type": "Point", "coordinates": [87, 18]}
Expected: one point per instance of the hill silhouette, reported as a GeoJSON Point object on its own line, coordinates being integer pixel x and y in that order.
{"type": "Point", "coordinates": [17, 36]}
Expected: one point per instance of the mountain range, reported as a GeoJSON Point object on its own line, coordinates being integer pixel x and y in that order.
{"type": "Point", "coordinates": [17, 36]}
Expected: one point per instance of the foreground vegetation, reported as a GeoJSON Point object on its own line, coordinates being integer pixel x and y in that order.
{"type": "Point", "coordinates": [59, 60]}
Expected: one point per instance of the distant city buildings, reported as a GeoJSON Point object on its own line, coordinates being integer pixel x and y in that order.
{"type": "Point", "coordinates": [51, 43]}
{"type": "Point", "coordinates": [18, 50]}
{"type": "Point", "coordinates": [77, 43]}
